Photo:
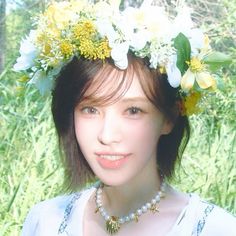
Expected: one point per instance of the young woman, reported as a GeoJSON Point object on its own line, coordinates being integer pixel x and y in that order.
{"type": "Point", "coordinates": [120, 109]}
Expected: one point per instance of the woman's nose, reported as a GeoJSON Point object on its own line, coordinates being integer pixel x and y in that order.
{"type": "Point", "coordinates": [110, 131]}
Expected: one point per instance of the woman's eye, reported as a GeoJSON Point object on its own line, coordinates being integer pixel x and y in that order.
{"type": "Point", "coordinates": [134, 110]}
{"type": "Point", "coordinates": [89, 110]}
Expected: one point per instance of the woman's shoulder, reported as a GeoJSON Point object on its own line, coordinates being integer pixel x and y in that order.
{"type": "Point", "coordinates": [52, 213]}
{"type": "Point", "coordinates": [54, 205]}
{"type": "Point", "coordinates": [210, 219]}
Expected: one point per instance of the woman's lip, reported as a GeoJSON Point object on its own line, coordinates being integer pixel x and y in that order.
{"type": "Point", "coordinates": [112, 164]}
{"type": "Point", "coordinates": [112, 154]}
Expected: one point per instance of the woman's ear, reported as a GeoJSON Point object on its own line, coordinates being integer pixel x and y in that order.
{"type": "Point", "coordinates": [167, 127]}
{"type": "Point", "coordinates": [170, 122]}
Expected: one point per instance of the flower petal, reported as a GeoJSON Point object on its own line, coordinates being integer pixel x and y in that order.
{"type": "Point", "coordinates": [119, 55]}
{"type": "Point", "coordinates": [23, 63]}
{"type": "Point", "coordinates": [123, 64]}
{"type": "Point", "coordinates": [42, 82]}
{"type": "Point", "coordinates": [174, 75]}
{"type": "Point", "coordinates": [205, 80]}
{"type": "Point", "coordinates": [119, 51]}
{"type": "Point", "coordinates": [187, 80]}
{"type": "Point", "coordinates": [139, 40]}
{"type": "Point", "coordinates": [173, 72]}
{"type": "Point", "coordinates": [197, 39]}
{"type": "Point", "coordinates": [105, 28]}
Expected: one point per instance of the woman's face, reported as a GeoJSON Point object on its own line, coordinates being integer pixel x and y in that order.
{"type": "Point", "coordinates": [119, 140]}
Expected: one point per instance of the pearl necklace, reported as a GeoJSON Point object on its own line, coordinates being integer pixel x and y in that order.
{"type": "Point", "coordinates": [113, 223]}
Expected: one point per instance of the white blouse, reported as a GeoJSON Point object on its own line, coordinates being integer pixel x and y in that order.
{"type": "Point", "coordinates": [63, 216]}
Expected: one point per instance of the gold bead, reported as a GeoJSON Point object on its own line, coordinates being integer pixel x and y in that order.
{"type": "Point", "coordinates": [154, 208]}
{"type": "Point", "coordinates": [96, 210]}
{"type": "Point", "coordinates": [136, 218]}
{"type": "Point", "coordinates": [113, 225]}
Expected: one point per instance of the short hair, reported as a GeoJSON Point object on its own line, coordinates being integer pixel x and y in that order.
{"type": "Point", "coordinates": [69, 90]}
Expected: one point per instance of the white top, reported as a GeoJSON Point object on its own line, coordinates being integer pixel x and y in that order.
{"type": "Point", "coordinates": [63, 215]}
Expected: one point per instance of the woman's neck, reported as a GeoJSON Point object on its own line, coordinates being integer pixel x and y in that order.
{"type": "Point", "coordinates": [124, 199]}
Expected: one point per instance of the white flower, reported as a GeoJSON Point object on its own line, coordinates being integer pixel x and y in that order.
{"type": "Point", "coordinates": [28, 53]}
{"type": "Point", "coordinates": [124, 29]}
{"type": "Point", "coordinates": [173, 73]}
{"type": "Point", "coordinates": [139, 40]}
{"type": "Point", "coordinates": [105, 10]}
{"type": "Point", "coordinates": [119, 55]}
{"type": "Point", "coordinates": [197, 72]}
{"type": "Point", "coordinates": [157, 23]}
{"type": "Point", "coordinates": [151, 19]}
{"type": "Point", "coordinates": [42, 82]}
{"type": "Point", "coordinates": [106, 29]}
{"type": "Point", "coordinates": [196, 38]}
{"type": "Point", "coordinates": [182, 22]}
{"type": "Point", "coordinates": [199, 43]}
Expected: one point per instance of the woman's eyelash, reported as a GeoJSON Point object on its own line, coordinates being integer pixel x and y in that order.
{"type": "Point", "coordinates": [134, 110]}
{"type": "Point", "coordinates": [89, 110]}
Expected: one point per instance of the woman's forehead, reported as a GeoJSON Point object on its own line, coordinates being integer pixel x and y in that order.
{"type": "Point", "coordinates": [112, 84]}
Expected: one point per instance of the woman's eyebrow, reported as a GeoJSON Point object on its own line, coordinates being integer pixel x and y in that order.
{"type": "Point", "coordinates": [121, 100]}
{"type": "Point", "coordinates": [134, 99]}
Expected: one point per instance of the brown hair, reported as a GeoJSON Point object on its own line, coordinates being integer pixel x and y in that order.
{"type": "Point", "coordinates": [70, 87]}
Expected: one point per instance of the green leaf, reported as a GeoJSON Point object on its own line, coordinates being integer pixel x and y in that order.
{"type": "Point", "coordinates": [216, 60]}
{"type": "Point", "coordinates": [183, 47]}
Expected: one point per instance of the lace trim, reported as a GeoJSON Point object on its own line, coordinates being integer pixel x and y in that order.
{"type": "Point", "coordinates": [67, 213]}
{"type": "Point", "coordinates": [201, 223]}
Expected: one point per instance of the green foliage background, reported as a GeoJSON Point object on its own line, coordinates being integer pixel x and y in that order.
{"type": "Point", "coordinates": [30, 165]}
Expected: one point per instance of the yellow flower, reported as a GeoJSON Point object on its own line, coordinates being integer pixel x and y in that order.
{"type": "Point", "coordinates": [197, 72]}
{"type": "Point", "coordinates": [84, 30]}
{"type": "Point", "coordinates": [191, 104]}
{"type": "Point", "coordinates": [66, 48]}
{"type": "Point", "coordinates": [88, 43]}
{"type": "Point", "coordinates": [87, 49]}
{"type": "Point", "coordinates": [44, 42]}
{"type": "Point", "coordinates": [162, 70]}
{"type": "Point", "coordinates": [94, 50]}
{"type": "Point", "coordinates": [103, 50]}
{"type": "Point", "coordinates": [58, 15]}
{"type": "Point", "coordinates": [23, 79]}
{"type": "Point", "coordinates": [196, 65]}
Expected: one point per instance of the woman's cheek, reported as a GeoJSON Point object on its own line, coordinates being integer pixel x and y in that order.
{"type": "Point", "coordinates": [85, 128]}
{"type": "Point", "coordinates": [143, 132]}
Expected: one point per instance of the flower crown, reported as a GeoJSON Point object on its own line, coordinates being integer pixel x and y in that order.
{"type": "Point", "coordinates": [101, 30]}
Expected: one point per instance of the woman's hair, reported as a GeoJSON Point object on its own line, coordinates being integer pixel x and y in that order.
{"type": "Point", "coordinates": [70, 87]}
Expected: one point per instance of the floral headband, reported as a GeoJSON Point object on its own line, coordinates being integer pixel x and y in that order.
{"type": "Point", "coordinates": [101, 30]}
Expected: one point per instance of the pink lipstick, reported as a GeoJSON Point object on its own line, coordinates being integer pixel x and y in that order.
{"type": "Point", "coordinates": [112, 160]}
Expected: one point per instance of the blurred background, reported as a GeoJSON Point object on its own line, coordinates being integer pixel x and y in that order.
{"type": "Point", "coordinates": [30, 168]}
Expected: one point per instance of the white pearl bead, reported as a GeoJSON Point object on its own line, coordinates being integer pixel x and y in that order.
{"type": "Point", "coordinates": [98, 201]}
{"type": "Point", "coordinates": [107, 217]}
{"type": "Point", "coordinates": [154, 201]}
{"type": "Point", "coordinates": [162, 194]}
{"type": "Point", "coordinates": [122, 220]}
{"type": "Point", "coordinates": [103, 213]}
{"type": "Point", "coordinates": [127, 219]}
{"type": "Point", "coordinates": [157, 198]}
{"type": "Point", "coordinates": [144, 209]}
{"type": "Point", "coordinates": [139, 212]}
{"type": "Point", "coordinates": [148, 205]}
{"type": "Point", "coordinates": [132, 216]}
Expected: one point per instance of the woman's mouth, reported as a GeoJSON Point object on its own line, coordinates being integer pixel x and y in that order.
{"type": "Point", "coordinates": [112, 161]}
